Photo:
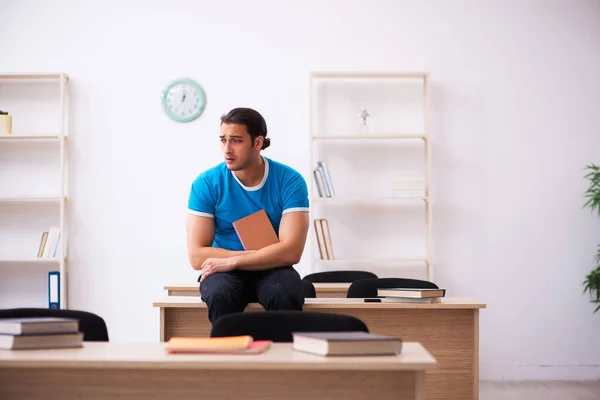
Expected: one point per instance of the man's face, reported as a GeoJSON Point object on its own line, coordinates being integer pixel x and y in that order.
{"type": "Point", "coordinates": [237, 146]}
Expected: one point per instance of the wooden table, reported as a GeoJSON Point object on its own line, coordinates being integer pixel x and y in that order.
{"type": "Point", "coordinates": [449, 330]}
{"type": "Point", "coordinates": [322, 289]}
{"type": "Point", "coordinates": [145, 371]}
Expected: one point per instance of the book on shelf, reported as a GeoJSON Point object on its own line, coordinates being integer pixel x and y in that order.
{"type": "Point", "coordinates": [255, 231]}
{"type": "Point", "coordinates": [323, 180]}
{"type": "Point", "coordinates": [323, 239]}
{"type": "Point", "coordinates": [346, 343]}
{"type": "Point", "coordinates": [49, 243]}
{"type": "Point", "coordinates": [42, 244]}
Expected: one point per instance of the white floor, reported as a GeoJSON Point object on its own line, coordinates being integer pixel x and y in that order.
{"type": "Point", "coordinates": [539, 390]}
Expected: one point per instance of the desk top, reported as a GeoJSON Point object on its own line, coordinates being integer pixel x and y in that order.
{"type": "Point", "coordinates": [321, 286]}
{"type": "Point", "coordinates": [328, 303]}
{"type": "Point", "coordinates": [103, 355]}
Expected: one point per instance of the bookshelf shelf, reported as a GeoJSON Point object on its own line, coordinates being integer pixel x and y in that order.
{"type": "Point", "coordinates": [35, 180]}
{"type": "Point", "coordinates": [20, 261]}
{"type": "Point", "coordinates": [14, 137]}
{"type": "Point", "coordinates": [399, 199]}
{"type": "Point", "coordinates": [33, 76]}
{"type": "Point", "coordinates": [398, 261]}
{"type": "Point", "coordinates": [370, 157]}
{"type": "Point", "coordinates": [31, 199]}
{"type": "Point", "coordinates": [370, 137]}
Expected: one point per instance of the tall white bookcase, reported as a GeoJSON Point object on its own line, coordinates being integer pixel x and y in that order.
{"type": "Point", "coordinates": [377, 205]}
{"type": "Point", "coordinates": [34, 185]}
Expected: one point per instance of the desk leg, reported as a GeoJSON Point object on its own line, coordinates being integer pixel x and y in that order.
{"type": "Point", "coordinates": [162, 324]}
{"type": "Point", "coordinates": [476, 354]}
{"type": "Point", "coordinates": [420, 385]}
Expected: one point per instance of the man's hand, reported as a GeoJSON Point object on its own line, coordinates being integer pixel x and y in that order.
{"type": "Point", "coordinates": [214, 265]}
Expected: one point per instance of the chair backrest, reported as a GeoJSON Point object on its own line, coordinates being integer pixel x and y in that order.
{"type": "Point", "coordinates": [339, 276]}
{"type": "Point", "coordinates": [93, 327]}
{"type": "Point", "coordinates": [308, 289]}
{"type": "Point", "coordinates": [278, 326]}
{"type": "Point", "coordinates": [368, 287]}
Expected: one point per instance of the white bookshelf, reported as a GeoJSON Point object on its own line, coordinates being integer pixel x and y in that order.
{"type": "Point", "coordinates": [34, 184]}
{"type": "Point", "coordinates": [379, 214]}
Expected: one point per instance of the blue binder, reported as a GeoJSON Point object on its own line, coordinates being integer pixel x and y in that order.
{"type": "Point", "coordinates": [54, 290]}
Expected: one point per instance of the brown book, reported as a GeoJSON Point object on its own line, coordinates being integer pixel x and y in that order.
{"type": "Point", "coordinates": [255, 231]}
{"type": "Point", "coordinates": [327, 238]}
{"type": "Point", "coordinates": [320, 240]}
{"type": "Point", "coordinates": [42, 244]}
{"type": "Point", "coordinates": [346, 343]}
{"type": "Point", "coordinates": [41, 341]}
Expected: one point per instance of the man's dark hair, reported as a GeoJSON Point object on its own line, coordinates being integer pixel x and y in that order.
{"type": "Point", "coordinates": [254, 122]}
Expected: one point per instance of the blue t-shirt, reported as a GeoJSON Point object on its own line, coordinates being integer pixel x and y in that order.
{"type": "Point", "coordinates": [219, 194]}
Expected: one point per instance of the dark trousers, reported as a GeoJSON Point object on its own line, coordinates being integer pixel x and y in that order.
{"type": "Point", "coordinates": [230, 292]}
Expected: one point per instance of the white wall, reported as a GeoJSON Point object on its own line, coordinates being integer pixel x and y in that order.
{"type": "Point", "coordinates": [516, 95]}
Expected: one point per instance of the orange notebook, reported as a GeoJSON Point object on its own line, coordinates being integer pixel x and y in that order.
{"type": "Point", "coordinates": [232, 344]}
{"type": "Point", "coordinates": [255, 231]}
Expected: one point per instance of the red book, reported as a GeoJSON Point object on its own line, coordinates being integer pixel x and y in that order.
{"type": "Point", "coordinates": [255, 231]}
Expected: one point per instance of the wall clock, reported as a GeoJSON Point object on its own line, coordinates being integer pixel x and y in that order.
{"type": "Point", "coordinates": [183, 100]}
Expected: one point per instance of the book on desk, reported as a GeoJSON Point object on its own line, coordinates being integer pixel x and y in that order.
{"type": "Point", "coordinates": [346, 343]}
{"type": "Point", "coordinates": [244, 344]}
{"type": "Point", "coordinates": [408, 295]}
{"type": "Point", "coordinates": [40, 333]}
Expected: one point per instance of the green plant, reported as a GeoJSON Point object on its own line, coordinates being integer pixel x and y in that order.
{"type": "Point", "coordinates": [592, 280]}
{"type": "Point", "coordinates": [3, 112]}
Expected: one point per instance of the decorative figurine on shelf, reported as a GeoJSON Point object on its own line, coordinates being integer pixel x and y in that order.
{"type": "Point", "coordinates": [364, 128]}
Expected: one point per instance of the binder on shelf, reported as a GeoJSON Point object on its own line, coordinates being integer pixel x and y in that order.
{"type": "Point", "coordinates": [54, 290]}
{"type": "Point", "coordinates": [322, 165]}
{"type": "Point", "coordinates": [323, 180]}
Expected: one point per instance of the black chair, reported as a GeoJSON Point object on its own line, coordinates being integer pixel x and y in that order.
{"type": "Point", "coordinates": [368, 287]}
{"type": "Point", "coordinates": [278, 326]}
{"type": "Point", "coordinates": [309, 289]}
{"type": "Point", "coordinates": [339, 276]}
{"type": "Point", "coordinates": [93, 327]}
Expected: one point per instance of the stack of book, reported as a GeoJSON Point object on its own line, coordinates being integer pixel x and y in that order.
{"type": "Point", "coordinates": [346, 344]}
{"type": "Point", "coordinates": [40, 333]}
{"type": "Point", "coordinates": [323, 180]}
{"type": "Point", "coordinates": [408, 295]}
{"type": "Point", "coordinates": [49, 244]}
{"type": "Point", "coordinates": [324, 239]}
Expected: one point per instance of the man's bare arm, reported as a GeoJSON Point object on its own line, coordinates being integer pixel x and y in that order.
{"type": "Point", "coordinates": [200, 235]}
{"type": "Point", "coordinates": [293, 230]}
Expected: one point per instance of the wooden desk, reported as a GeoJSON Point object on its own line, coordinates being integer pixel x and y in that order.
{"type": "Point", "coordinates": [322, 289]}
{"type": "Point", "coordinates": [449, 331]}
{"type": "Point", "coordinates": [328, 290]}
{"type": "Point", "coordinates": [145, 371]}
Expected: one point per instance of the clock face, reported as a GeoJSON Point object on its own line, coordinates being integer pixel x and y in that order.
{"type": "Point", "coordinates": [183, 100]}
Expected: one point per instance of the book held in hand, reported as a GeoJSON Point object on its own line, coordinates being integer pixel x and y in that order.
{"type": "Point", "coordinates": [255, 231]}
{"type": "Point", "coordinates": [346, 343]}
